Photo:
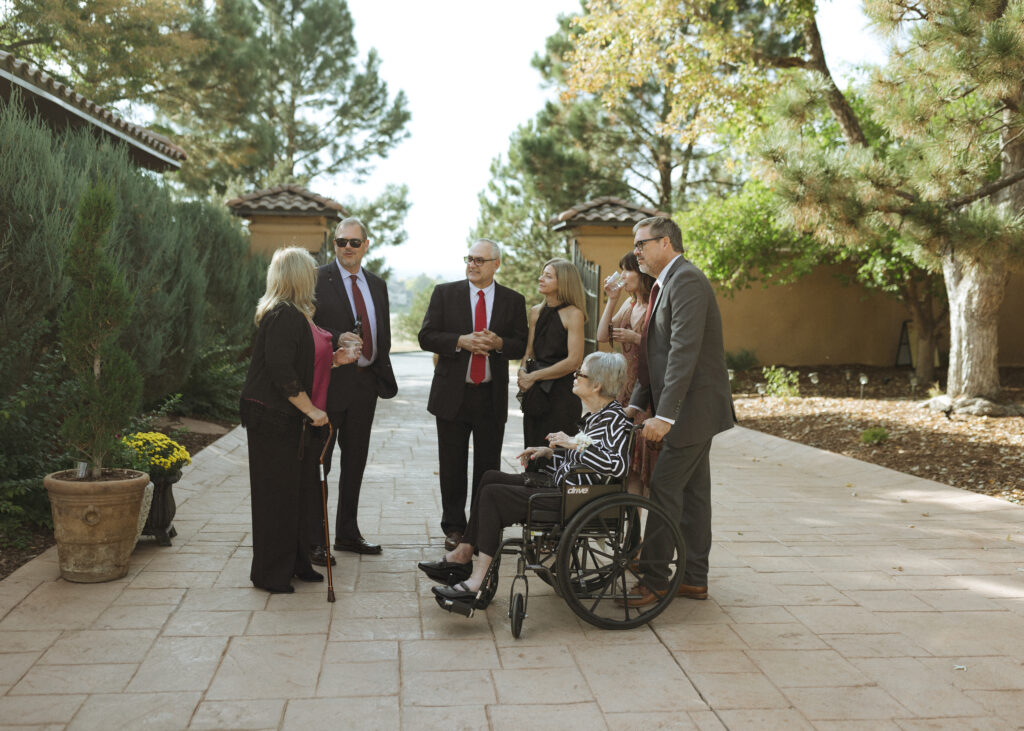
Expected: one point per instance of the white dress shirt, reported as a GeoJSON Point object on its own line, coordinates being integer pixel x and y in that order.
{"type": "Point", "coordinates": [369, 328]}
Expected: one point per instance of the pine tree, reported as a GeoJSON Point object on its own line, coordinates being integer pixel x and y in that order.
{"type": "Point", "coordinates": [950, 97]}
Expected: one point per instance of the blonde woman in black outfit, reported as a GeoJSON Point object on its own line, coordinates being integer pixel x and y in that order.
{"type": "Point", "coordinates": [282, 410]}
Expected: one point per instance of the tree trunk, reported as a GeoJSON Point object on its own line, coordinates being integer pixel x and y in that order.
{"type": "Point", "coordinates": [927, 342]}
{"type": "Point", "coordinates": [976, 290]}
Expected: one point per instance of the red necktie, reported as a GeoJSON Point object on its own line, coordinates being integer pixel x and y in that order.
{"type": "Point", "coordinates": [642, 372]}
{"type": "Point", "coordinates": [478, 368]}
{"type": "Point", "coordinates": [367, 334]}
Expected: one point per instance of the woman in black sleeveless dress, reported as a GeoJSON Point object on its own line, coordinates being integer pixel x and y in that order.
{"type": "Point", "coordinates": [554, 351]}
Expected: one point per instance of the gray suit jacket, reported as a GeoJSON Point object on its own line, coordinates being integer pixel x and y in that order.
{"type": "Point", "coordinates": [686, 359]}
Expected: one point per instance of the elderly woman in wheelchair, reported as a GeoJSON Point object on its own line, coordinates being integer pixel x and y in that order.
{"type": "Point", "coordinates": [596, 552]}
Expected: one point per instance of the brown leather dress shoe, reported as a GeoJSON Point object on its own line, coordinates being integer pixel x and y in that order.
{"type": "Point", "coordinates": [452, 540]}
{"type": "Point", "coordinates": [692, 592]}
{"type": "Point", "coordinates": [641, 596]}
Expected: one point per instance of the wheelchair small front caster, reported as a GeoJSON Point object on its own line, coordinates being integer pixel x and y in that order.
{"type": "Point", "coordinates": [516, 612]}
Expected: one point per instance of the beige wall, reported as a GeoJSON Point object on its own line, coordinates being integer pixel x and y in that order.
{"type": "Point", "coordinates": [816, 320]}
{"type": "Point", "coordinates": [269, 233]}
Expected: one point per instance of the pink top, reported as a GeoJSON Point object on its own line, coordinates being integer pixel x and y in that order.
{"type": "Point", "coordinates": [321, 366]}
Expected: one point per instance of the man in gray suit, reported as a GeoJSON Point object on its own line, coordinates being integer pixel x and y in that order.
{"type": "Point", "coordinates": [683, 379]}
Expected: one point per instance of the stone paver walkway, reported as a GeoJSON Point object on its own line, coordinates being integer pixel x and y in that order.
{"type": "Point", "coordinates": [843, 595]}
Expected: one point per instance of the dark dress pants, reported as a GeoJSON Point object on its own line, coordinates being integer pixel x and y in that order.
{"type": "Point", "coordinates": [476, 416]}
{"type": "Point", "coordinates": [501, 502]}
{"type": "Point", "coordinates": [681, 484]}
{"type": "Point", "coordinates": [279, 482]}
{"type": "Point", "coordinates": [352, 434]}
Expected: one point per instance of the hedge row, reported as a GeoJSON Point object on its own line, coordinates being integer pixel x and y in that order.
{"type": "Point", "coordinates": [187, 264]}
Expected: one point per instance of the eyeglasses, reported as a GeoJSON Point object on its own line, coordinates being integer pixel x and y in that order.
{"type": "Point", "coordinates": [354, 243]}
{"type": "Point", "coordinates": [578, 373]}
{"type": "Point", "coordinates": [478, 260]}
{"type": "Point", "coordinates": [639, 245]}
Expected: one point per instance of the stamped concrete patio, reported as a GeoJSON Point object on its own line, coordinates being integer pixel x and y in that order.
{"type": "Point", "coordinates": [843, 595]}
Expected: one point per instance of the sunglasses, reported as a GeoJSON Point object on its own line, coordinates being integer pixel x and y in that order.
{"type": "Point", "coordinates": [354, 243]}
{"type": "Point", "coordinates": [478, 260]}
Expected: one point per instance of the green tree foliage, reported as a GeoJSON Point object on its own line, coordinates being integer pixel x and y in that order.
{"type": "Point", "coordinates": [584, 146]}
{"type": "Point", "coordinates": [949, 183]}
{"type": "Point", "coordinates": [514, 216]}
{"type": "Point", "coordinates": [950, 97]}
{"type": "Point", "coordinates": [740, 240]}
{"type": "Point", "coordinates": [279, 95]}
{"type": "Point", "coordinates": [107, 50]}
{"type": "Point", "coordinates": [108, 382]}
{"type": "Point", "coordinates": [384, 216]}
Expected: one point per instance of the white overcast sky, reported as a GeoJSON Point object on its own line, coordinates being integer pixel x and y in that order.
{"type": "Point", "coordinates": [465, 68]}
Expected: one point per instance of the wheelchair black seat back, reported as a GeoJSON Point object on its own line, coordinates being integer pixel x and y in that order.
{"type": "Point", "coordinates": [587, 542]}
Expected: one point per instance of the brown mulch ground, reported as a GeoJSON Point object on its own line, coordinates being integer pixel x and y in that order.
{"type": "Point", "coordinates": [33, 541]}
{"type": "Point", "coordinates": [977, 453]}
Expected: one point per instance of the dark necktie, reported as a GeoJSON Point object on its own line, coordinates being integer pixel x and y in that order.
{"type": "Point", "coordinates": [357, 297]}
{"type": "Point", "coordinates": [478, 368]}
{"type": "Point", "coordinates": [642, 372]}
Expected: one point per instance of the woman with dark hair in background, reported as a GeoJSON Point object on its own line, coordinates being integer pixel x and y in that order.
{"type": "Point", "coordinates": [624, 327]}
{"type": "Point", "coordinates": [282, 410]}
{"type": "Point", "coordinates": [554, 350]}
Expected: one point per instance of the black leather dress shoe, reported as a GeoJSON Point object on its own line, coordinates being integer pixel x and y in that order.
{"type": "Point", "coordinates": [446, 572]}
{"type": "Point", "coordinates": [357, 545]}
{"type": "Point", "coordinates": [452, 540]}
{"type": "Point", "coordinates": [309, 575]}
{"type": "Point", "coordinates": [318, 556]}
{"type": "Point", "coordinates": [459, 599]}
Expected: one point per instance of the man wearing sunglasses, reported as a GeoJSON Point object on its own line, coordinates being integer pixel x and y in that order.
{"type": "Point", "coordinates": [345, 293]}
{"type": "Point", "coordinates": [682, 380]}
{"type": "Point", "coordinates": [476, 326]}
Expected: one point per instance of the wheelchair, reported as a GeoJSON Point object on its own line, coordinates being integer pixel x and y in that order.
{"type": "Point", "coordinates": [590, 550]}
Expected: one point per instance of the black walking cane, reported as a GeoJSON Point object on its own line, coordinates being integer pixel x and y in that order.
{"type": "Point", "coordinates": [323, 494]}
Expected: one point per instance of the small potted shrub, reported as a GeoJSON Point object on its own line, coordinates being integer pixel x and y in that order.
{"type": "Point", "coordinates": [162, 458]}
{"type": "Point", "coordinates": [96, 508]}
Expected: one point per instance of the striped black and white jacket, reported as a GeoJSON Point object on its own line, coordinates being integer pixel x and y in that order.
{"type": "Point", "coordinates": [608, 454]}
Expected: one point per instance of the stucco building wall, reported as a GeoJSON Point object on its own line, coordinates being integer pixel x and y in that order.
{"type": "Point", "coordinates": [815, 321]}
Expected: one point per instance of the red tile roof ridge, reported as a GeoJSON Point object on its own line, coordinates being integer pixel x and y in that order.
{"type": "Point", "coordinates": [42, 80]}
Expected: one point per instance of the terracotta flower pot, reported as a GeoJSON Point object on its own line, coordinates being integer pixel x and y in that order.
{"type": "Point", "coordinates": [94, 522]}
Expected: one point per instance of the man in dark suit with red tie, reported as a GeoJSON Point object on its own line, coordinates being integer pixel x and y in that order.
{"type": "Point", "coordinates": [476, 326]}
{"type": "Point", "coordinates": [346, 292]}
{"type": "Point", "coordinates": [682, 379]}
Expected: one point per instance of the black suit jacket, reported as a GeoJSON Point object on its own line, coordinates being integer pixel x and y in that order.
{"type": "Point", "coordinates": [335, 313]}
{"type": "Point", "coordinates": [450, 315]}
{"type": "Point", "coordinates": [282, 361]}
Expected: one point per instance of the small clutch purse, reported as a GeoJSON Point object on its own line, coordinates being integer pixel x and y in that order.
{"type": "Point", "coordinates": [538, 479]}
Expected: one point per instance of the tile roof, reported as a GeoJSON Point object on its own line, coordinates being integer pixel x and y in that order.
{"type": "Point", "coordinates": [604, 211]}
{"type": "Point", "coordinates": [160, 153]}
{"type": "Point", "coordinates": [286, 200]}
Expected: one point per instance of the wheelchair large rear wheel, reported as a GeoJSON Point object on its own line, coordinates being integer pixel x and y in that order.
{"type": "Point", "coordinates": [600, 561]}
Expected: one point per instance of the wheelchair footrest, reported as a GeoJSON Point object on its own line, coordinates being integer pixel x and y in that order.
{"type": "Point", "coordinates": [465, 608]}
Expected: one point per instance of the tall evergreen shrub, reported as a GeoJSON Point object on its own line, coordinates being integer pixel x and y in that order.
{"type": "Point", "coordinates": [108, 383]}
{"type": "Point", "coordinates": [38, 198]}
